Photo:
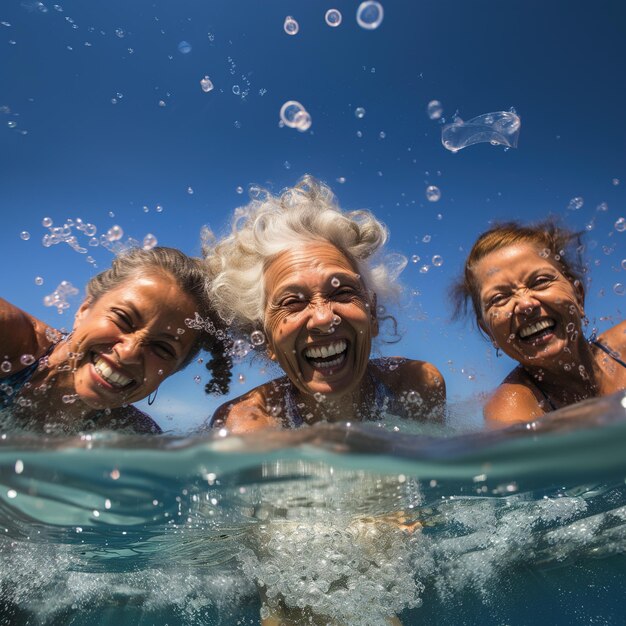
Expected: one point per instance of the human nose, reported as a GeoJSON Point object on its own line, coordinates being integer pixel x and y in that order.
{"type": "Point", "coordinates": [128, 350]}
{"type": "Point", "coordinates": [525, 302]}
{"type": "Point", "coordinates": [322, 317]}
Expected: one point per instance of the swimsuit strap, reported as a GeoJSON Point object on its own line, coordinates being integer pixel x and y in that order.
{"type": "Point", "coordinates": [608, 350]}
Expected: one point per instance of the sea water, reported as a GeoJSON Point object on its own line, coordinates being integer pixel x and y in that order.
{"type": "Point", "coordinates": [354, 522]}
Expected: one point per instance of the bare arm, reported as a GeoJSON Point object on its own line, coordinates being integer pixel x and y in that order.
{"type": "Point", "coordinates": [511, 403]}
{"type": "Point", "coordinates": [20, 333]}
{"type": "Point", "coordinates": [245, 414]}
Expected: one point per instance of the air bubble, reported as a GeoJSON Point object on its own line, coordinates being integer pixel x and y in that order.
{"type": "Point", "coordinates": [184, 47]}
{"type": "Point", "coordinates": [206, 84]}
{"type": "Point", "coordinates": [149, 242]}
{"type": "Point", "coordinates": [619, 289]}
{"type": "Point", "coordinates": [5, 366]}
{"type": "Point", "coordinates": [498, 128]}
{"type": "Point", "coordinates": [46, 222]}
{"type": "Point", "coordinates": [620, 225]}
{"type": "Point", "coordinates": [437, 260]}
{"type": "Point", "coordinates": [294, 115]}
{"type": "Point", "coordinates": [25, 235]}
{"type": "Point", "coordinates": [115, 233]}
{"type": "Point", "coordinates": [236, 90]}
{"type": "Point", "coordinates": [370, 14]}
{"type": "Point", "coordinates": [434, 109]}
{"type": "Point", "coordinates": [291, 26]}
{"type": "Point", "coordinates": [433, 193]}
{"type": "Point", "coordinates": [333, 17]}
{"type": "Point", "coordinates": [575, 203]}
{"type": "Point", "coordinates": [27, 359]}
{"type": "Point", "coordinates": [257, 338]}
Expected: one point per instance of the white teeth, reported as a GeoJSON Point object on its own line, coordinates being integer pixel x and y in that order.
{"type": "Point", "coordinates": [325, 351]}
{"type": "Point", "coordinates": [116, 379]}
{"type": "Point", "coordinates": [535, 328]}
{"type": "Point", "coordinates": [330, 364]}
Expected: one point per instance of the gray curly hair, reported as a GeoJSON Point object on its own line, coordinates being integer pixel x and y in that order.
{"type": "Point", "coordinates": [271, 224]}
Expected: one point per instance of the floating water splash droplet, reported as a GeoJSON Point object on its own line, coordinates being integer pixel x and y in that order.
{"type": "Point", "coordinates": [575, 203]}
{"type": "Point", "coordinates": [433, 193]}
{"type": "Point", "coordinates": [437, 260]}
{"type": "Point", "coordinates": [619, 289]}
{"type": "Point", "coordinates": [184, 47]}
{"type": "Point", "coordinates": [236, 90]}
{"type": "Point", "coordinates": [426, 239]}
{"type": "Point", "coordinates": [120, 32]}
{"type": "Point", "coordinates": [333, 17]}
{"type": "Point", "coordinates": [291, 26]}
{"type": "Point", "coordinates": [624, 264]}
{"type": "Point", "coordinates": [27, 359]}
{"type": "Point", "coordinates": [149, 242]}
{"type": "Point", "coordinates": [12, 124]}
{"type": "Point", "coordinates": [115, 233]}
{"type": "Point", "coordinates": [499, 128]}
{"type": "Point", "coordinates": [239, 190]}
{"type": "Point", "coordinates": [206, 84]}
{"type": "Point", "coordinates": [38, 280]}
{"type": "Point", "coordinates": [359, 112]}
{"type": "Point", "coordinates": [615, 182]}
{"type": "Point", "coordinates": [257, 338]}
{"type": "Point", "coordinates": [370, 14]}
{"type": "Point", "coordinates": [620, 225]}
{"type": "Point", "coordinates": [6, 366]}
{"type": "Point", "coordinates": [25, 235]}
{"type": "Point", "coordinates": [190, 191]}
{"type": "Point", "coordinates": [434, 109]}
{"type": "Point", "coordinates": [294, 115]}
{"type": "Point", "coordinates": [46, 222]}
{"type": "Point", "coordinates": [335, 282]}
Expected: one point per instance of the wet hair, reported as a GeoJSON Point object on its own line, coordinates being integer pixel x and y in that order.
{"type": "Point", "coordinates": [272, 224]}
{"type": "Point", "coordinates": [190, 274]}
{"type": "Point", "coordinates": [562, 244]}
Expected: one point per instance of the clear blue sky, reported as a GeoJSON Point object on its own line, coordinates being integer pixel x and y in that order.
{"type": "Point", "coordinates": [560, 64]}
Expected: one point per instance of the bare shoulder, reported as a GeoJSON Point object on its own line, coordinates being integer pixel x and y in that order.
{"type": "Point", "coordinates": [513, 402]}
{"type": "Point", "coordinates": [615, 338]}
{"type": "Point", "coordinates": [403, 376]}
{"type": "Point", "coordinates": [129, 419]}
{"type": "Point", "coordinates": [21, 333]}
{"type": "Point", "coordinates": [248, 412]}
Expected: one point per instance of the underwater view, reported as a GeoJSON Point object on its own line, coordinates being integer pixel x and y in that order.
{"type": "Point", "coordinates": [127, 127]}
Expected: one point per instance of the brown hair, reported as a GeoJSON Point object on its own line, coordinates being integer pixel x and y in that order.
{"type": "Point", "coordinates": [564, 245]}
{"type": "Point", "coordinates": [191, 276]}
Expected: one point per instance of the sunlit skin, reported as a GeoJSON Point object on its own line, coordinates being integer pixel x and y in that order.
{"type": "Point", "coordinates": [122, 347]}
{"type": "Point", "coordinates": [533, 313]}
{"type": "Point", "coordinates": [316, 300]}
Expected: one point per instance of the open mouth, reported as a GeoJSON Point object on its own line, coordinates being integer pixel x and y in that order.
{"type": "Point", "coordinates": [329, 357]}
{"type": "Point", "coordinates": [536, 331]}
{"type": "Point", "coordinates": [109, 375]}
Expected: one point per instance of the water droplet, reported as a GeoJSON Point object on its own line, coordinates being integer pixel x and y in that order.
{"type": "Point", "coordinates": [120, 32]}
{"type": "Point", "coordinates": [115, 233]}
{"type": "Point", "coordinates": [149, 242]}
{"type": "Point", "coordinates": [11, 493]}
{"type": "Point", "coordinates": [257, 338]}
{"type": "Point", "coordinates": [27, 359]}
{"type": "Point", "coordinates": [197, 379]}
{"type": "Point", "coordinates": [184, 47]}
{"type": "Point", "coordinates": [46, 222]}
{"type": "Point", "coordinates": [433, 193]}
{"type": "Point", "coordinates": [615, 182]}
{"type": "Point", "coordinates": [624, 264]}
{"type": "Point", "coordinates": [424, 269]}
{"type": "Point", "coordinates": [434, 109]}
{"type": "Point", "coordinates": [236, 90]}
{"type": "Point", "coordinates": [19, 466]}
{"type": "Point", "coordinates": [575, 203]}
{"type": "Point", "coordinates": [382, 134]}
{"type": "Point", "coordinates": [499, 128]}
{"type": "Point", "coordinates": [38, 280]}
{"type": "Point", "coordinates": [239, 190]}
{"type": "Point", "coordinates": [190, 191]}
{"type": "Point", "coordinates": [206, 84]}
{"type": "Point", "coordinates": [359, 112]}
{"type": "Point", "coordinates": [11, 124]}
{"type": "Point", "coordinates": [319, 397]}
{"type": "Point", "coordinates": [619, 289]}
{"type": "Point", "coordinates": [159, 208]}
{"type": "Point", "coordinates": [333, 17]}
{"type": "Point", "coordinates": [241, 378]}
{"type": "Point", "coordinates": [437, 260]}
{"type": "Point", "coordinates": [620, 224]}
{"type": "Point", "coordinates": [291, 26]}
{"type": "Point", "coordinates": [5, 366]}
{"type": "Point", "coordinates": [294, 115]}
{"type": "Point", "coordinates": [287, 165]}
{"type": "Point", "coordinates": [161, 103]}
{"type": "Point", "coordinates": [369, 15]}
{"type": "Point", "coordinates": [25, 235]}
{"type": "Point", "coordinates": [426, 239]}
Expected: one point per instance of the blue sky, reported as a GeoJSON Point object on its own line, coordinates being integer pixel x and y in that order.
{"type": "Point", "coordinates": [560, 64]}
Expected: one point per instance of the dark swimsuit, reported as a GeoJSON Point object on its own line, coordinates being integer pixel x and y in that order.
{"type": "Point", "coordinates": [602, 347]}
{"type": "Point", "coordinates": [11, 385]}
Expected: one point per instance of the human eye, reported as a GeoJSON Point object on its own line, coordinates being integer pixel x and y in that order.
{"type": "Point", "coordinates": [496, 299]}
{"type": "Point", "coordinates": [542, 281]}
{"type": "Point", "coordinates": [164, 350]}
{"type": "Point", "coordinates": [122, 319]}
{"type": "Point", "coordinates": [292, 302]}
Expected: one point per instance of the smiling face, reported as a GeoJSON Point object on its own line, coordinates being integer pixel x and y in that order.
{"type": "Point", "coordinates": [319, 319]}
{"type": "Point", "coordinates": [129, 340]}
{"type": "Point", "coordinates": [529, 308]}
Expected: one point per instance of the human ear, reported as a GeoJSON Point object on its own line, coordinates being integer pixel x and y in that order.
{"type": "Point", "coordinates": [82, 311]}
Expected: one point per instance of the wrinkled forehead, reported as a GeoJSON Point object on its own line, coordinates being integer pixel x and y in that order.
{"type": "Point", "coordinates": [318, 257]}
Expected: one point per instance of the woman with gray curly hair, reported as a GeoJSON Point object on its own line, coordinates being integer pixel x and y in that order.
{"type": "Point", "coordinates": [299, 275]}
